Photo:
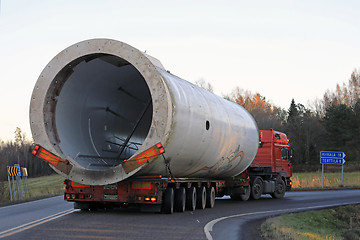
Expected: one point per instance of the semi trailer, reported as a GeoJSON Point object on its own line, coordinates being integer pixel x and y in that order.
{"type": "Point", "coordinates": [123, 130]}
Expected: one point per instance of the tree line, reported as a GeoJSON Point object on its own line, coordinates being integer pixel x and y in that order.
{"type": "Point", "coordinates": [19, 152]}
{"type": "Point", "coordinates": [332, 124]}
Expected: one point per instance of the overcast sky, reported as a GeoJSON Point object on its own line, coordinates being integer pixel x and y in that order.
{"type": "Point", "coordinates": [281, 49]}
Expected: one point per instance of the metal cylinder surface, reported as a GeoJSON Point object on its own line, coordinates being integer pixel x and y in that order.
{"type": "Point", "coordinates": [101, 101]}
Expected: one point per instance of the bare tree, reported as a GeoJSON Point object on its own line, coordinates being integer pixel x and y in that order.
{"type": "Point", "coordinates": [205, 85]}
{"type": "Point", "coordinates": [19, 151]}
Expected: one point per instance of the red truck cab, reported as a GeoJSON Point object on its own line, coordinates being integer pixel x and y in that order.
{"type": "Point", "coordinates": [272, 163]}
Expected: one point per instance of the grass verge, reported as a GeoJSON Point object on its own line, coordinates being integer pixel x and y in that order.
{"type": "Point", "coordinates": [313, 179]}
{"type": "Point", "coordinates": [330, 224]}
{"type": "Point", "coordinates": [41, 187]}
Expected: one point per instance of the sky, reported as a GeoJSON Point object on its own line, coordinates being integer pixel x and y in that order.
{"type": "Point", "coordinates": [280, 49]}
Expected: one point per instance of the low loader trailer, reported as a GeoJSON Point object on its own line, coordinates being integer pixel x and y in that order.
{"type": "Point", "coordinates": [123, 130]}
{"type": "Point", "coordinates": [269, 173]}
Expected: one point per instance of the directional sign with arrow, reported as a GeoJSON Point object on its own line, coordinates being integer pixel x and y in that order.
{"type": "Point", "coordinates": [327, 157]}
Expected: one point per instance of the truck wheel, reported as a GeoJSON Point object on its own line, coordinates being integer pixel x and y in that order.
{"type": "Point", "coordinates": [180, 199]}
{"type": "Point", "coordinates": [257, 188]}
{"type": "Point", "coordinates": [200, 197]}
{"type": "Point", "coordinates": [168, 201]}
{"type": "Point", "coordinates": [191, 198]}
{"type": "Point", "coordinates": [210, 197]}
{"type": "Point", "coordinates": [236, 196]}
{"type": "Point", "coordinates": [246, 195]}
{"type": "Point", "coordinates": [279, 189]}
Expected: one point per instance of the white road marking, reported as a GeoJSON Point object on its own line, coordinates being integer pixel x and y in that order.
{"type": "Point", "coordinates": [31, 202]}
{"type": "Point", "coordinates": [35, 223]}
{"type": "Point", "coordinates": [209, 226]}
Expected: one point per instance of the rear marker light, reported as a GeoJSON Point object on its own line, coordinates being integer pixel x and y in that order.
{"type": "Point", "coordinates": [153, 199]}
{"type": "Point", "coordinates": [160, 147]}
{"type": "Point", "coordinates": [73, 196]}
{"type": "Point", "coordinates": [67, 196]}
{"type": "Point", "coordinates": [35, 151]}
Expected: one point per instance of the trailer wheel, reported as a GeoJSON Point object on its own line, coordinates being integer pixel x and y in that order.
{"type": "Point", "coordinates": [168, 201]}
{"type": "Point", "coordinates": [191, 198]}
{"type": "Point", "coordinates": [246, 195]}
{"type": "Point", "coordinates": [200, 197]}
{"type": "Point", "coordinates": [257, 188]}
{"type": "Point", "coordinates": [210, 197]}
{"type": "Point", "coordinates": [280, 189]}
{"type": "Point", "coordinates": [180, 199]}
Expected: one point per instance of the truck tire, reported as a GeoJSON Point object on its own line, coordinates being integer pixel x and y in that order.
{"type": "Point", "coordinates": [200, 197]}
{"type": "Point", "coordinates": [168, 201]}
{"type": "Point", "coordinates": [280, 189]}
{"type": "Point", "coordinates": [180, 199]}
{"type": "Point", "coordinates": [236, 196]}
{"type": "Point", "coordinates": [246, 195]}
{"type": "Point", "coordinates": [210, 197]}
{"type": "Point", "coordinates": [191, 198]}
{"type": "Point", "coordinates": [257, 188]}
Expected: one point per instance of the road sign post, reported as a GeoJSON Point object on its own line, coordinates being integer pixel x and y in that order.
{"type": "Point", "coordinates": [337, 158]}
{"type": "Point", "coordinates": [18, 174]}
{"type": "Point", "coordinates": [10, 190]}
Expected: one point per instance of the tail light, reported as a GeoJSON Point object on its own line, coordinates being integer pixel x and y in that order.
{"type": "Point", "coordinates": [36, 149]}
{"type": "Point", "coordinates": [150, 199]}
{"type": "Point", "coordinates": [160, 147]}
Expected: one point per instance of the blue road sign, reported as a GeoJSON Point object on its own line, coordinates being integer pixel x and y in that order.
{"type": "Point", "coordinates": [18, 169]}
{"type": "Point", "coordinates": [332, 157]}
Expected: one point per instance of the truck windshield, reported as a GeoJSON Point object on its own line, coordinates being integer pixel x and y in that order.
{"type": "Point", "coordinates": [285, 154]}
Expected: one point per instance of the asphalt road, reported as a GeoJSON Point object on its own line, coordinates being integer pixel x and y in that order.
{"type": "Point", "coordinates": [54, 218]}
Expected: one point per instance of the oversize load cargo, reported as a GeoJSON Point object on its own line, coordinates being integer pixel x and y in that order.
{"type": "Point", "coordinates": [100, 103]}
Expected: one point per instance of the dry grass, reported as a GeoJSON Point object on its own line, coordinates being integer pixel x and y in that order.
{"type": "Point", "coordinates": [314, 179]}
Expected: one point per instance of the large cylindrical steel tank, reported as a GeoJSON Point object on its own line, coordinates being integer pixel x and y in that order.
{"type": "Point", "coordinates": [99, 102]}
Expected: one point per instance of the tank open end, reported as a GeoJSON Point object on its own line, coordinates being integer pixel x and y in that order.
{"type": "Point", "coordinates": [103, 111]}
{"type": "Point", "coordinates": [93, 105]}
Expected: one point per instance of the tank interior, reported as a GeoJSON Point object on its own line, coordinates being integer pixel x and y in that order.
{"type": "Point", "coordinates": [103, 111]}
